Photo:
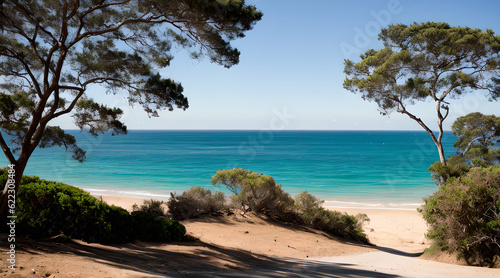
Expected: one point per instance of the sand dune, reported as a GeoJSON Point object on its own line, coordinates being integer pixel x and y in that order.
{"type": "Point", "coordinates": [248, 246]}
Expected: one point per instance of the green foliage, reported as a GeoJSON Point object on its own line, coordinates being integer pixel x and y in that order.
{"type": "Point", "coordinates": [256, 192]}
{"type": "Point", "coordinates": [55, 136]}
{"type": "Point", "coordinates": [264, 196]}
{"type": "Point", "coordinates": [15, 113]}
{"type": "Point", "coordinates": [477, 135]}
{"type": "Point", "coordinates": [306, 202]}
{"type": "Point", "coordinates": [194, 202]}
{"type": "Point", "coordinates": [476, 129]}
{"type": "Point", "coordinates": [464, 216]}
{"type": "Point", "coordinates": [424, 50]}
{"type": "Point", "coordinates": [310, 212]}
{"type": "Point", "coordinates": [52, 52]}
{"type": "Point", "coordinates": [148, 227]}
{"type": "Point", "coordinates": [426, 61]}
{"type": "Point", "coordinates": [260, 193]}
{"type": "Point", "coordinates": [98, 118]}
{"type": "Point", "coordinates": [160, 93]}
{"type": "Point", "coordinates": [454, 168]}
{"type": "Point", "coordinates": [111, 224]}
{"type": "Point", "coordinates": [151, 206]}
{"type": "Point", "coordinates": [232, 179]}
{"type": "Point", "coordinates": [46, 208]}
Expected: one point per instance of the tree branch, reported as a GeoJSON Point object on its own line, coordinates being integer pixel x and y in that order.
{"type": "Point", "coordinates": [104, 80]}
{"type": "Point", "coordinates": [152, 19]}
{"type": "Point", "coordinates": [18, 57]}
{"type": "Point", "coordinates": [28, 15]}
{"type": "Point", "coordinates": [31, 40]}
{"type": "Point", "coordinates": [445, 93]}
{"type": "Point", "coordinates": [415, 118]}
{"type": "Point", "coordinates": [72, 105]}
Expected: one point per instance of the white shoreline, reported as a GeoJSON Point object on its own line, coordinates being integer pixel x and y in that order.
{"type": "Point", "coordinates": [342, 203]}
{"type": "Point", "coordinates": [384, 208]}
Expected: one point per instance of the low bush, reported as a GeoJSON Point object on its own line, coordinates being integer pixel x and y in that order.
{"type": "Point", "coordinates": [152, 228]}
{"type": "Point", "coordinates": [260, 194]}
{"type": "Point", "coordinates": [266, 198]}
{"type": "Point", "coordinates": [46, 209]}
{"type": "Point", "coordinates": [464, 216]}
{"type": "Point", "coordinates": [306, 203]}
{"type": "Point", "coordinates": [154, 207]}
{"type": "Point", "coordinates": [257, 193]}
{"type": "Point", "coordinates": [454, 168]}
{"type": "Point", "coordinates": [311, 213]}
{"type": "Point", "coordinates": [194, 202]}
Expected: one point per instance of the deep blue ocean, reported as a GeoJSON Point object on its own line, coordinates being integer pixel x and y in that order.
{"type": "Point", "coordinates": [345, 167]}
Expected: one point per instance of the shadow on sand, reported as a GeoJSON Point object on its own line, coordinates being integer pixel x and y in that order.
{"type": "Point", "coordinates": [195, 259]}
{"type": "Point", "coordinates": [398, 252]}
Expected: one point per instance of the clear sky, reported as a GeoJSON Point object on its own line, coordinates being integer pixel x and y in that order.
{"type": "Point", "coordinates": [291, 69]}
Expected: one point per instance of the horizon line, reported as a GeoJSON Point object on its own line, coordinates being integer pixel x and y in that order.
{"type": "Point", "coordinates": [216, 129]}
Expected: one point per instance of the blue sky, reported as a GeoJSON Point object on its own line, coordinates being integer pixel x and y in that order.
{"type": "Point", "coordinates": [291, 69]}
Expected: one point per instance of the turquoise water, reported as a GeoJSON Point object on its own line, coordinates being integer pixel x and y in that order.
{"type": "Point", "coordinates": [343, 167]}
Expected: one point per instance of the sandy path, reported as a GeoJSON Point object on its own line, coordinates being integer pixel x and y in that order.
{"type": "Point", "coordinates": [248, 246]}
{"type": "Point", "coordinates": [373, 264]}
{"type": "Point", "coordinates": [403, 230]}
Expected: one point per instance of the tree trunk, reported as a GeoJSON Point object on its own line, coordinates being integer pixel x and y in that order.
{"type": "Point", "coordinates": [437, 141]}
{"type": "Point", "coordinates": [439, 145]}
{"type": "Point", "coordinates": [30, 142]}
{"type": "Point", "coordinates": [442, 157]}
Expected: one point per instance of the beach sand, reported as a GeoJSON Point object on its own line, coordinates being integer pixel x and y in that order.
{"type": "Point", "coordinates": [403, 230]}
{"type": "Point", "coordinates": [247, 246]}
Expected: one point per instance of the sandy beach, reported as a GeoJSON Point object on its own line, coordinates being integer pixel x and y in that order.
{"type": "Point", "coordinates": [248, 246]}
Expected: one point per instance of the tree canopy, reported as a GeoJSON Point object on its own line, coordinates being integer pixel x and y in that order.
{"type": "Point", "coordinates": [238, 180]}
{"type": "Point", "coordinates": [254, 191]}
{"type": "Point", "coordinates": [478, 138]}
{"type": "Point", "coordinates": [477, 146]}
{"type": "Point", "coordinates": [476, 130]}
{"type": "Point", "coordinates": [52, 52]}
{"type": "Point", "coordinates": [428, 61]}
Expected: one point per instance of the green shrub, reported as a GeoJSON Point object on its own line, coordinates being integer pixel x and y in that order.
{"type": "Point", "coordinates": [311, 212]}
{"type": "Point", "coordinates": [455, 167]}
{"type": "Point", "coordinates": [256, 192]}
{"type": "Point", "coordinates": [152, 228]}
{"type": "Point", "coordinates": [266, 197]}
{"type": "Point", "coordinates": [260, 193]}
{"type": "Point", "coordinates": [151, 206]}
{"type": "Point", "coordinates": [305, 202]}
{"type": "Point", "coordinates": [194, 202]}
{"type": "Point", "coordinates": [115, 225]}
{"type": "Point", "coordinates": [464, 216]}
{"type": "Point", "coordinates": [46, 208]}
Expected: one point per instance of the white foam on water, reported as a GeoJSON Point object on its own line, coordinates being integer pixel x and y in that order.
{"type": "Point", "coordinates": [360, 205]}
{"type": "Point", "coordinates": [119, 193]}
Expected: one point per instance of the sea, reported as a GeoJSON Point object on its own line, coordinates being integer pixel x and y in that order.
{"type": "Point", "coordinates": [378, 169]}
